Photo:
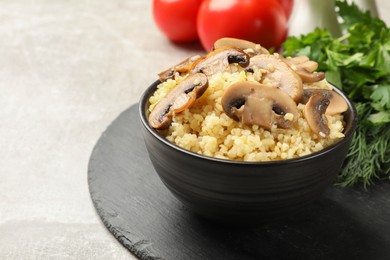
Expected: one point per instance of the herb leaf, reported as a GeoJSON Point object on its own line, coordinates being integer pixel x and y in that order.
{"type": "Point", "coordinates": [358, 62]}
{"type": "Point", "coordinates": [381, 97]}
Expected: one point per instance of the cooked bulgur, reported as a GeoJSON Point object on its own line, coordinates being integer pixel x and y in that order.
{"type": "Point", "coordinates": [204, 128]}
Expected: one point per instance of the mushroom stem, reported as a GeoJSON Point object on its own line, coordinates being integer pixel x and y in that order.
{"type": "Point", "coordinates": [259, 104]}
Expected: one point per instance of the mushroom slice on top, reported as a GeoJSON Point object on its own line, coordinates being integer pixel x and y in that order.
{"type": "Point", "coordinates": [305, 68]}
{"type": "Point", "coordinates": [314, 113]}
{"type": "Point", "coordinates": [180, 98]}
{"type": "Point", "coordinates": [219, 59]}
{"type": "Point", "coordinates": [303, 62]}
{"type": "Point", "coordinates": [249, 47]}
{"type": "Point", "coordinates": [183, 68]}
{"type": "Point", "coordinates": [259, 104]}
{"type": "Point", "coordinates": [279, 74]}
{"type": "Point", "coordinates": [337, 103]}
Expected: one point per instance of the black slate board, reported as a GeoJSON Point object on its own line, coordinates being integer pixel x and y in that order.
{"type": "Point", "coordinates": [142, 214]}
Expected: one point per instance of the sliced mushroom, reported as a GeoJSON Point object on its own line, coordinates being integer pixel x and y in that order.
{"type": "Point", "coordinates": [180, 98]}
{"type": "Point", "coordinates": [279, 74]}
{"type": "Point", "coordinates": [314, 113]}
{"type": "Point", "coordinates": [298, 59]}
{"type": "Point", "coordinates": [337, 103]}
{"type": "Point", "coordinates": [263, 105]}
{"type": "Point", "coordinates": [183, 68]}
{"type": "Point", "coordinates": [219, 60]}
{"type": "Point", "coordinates": [308, 77]}
{"type": "Point", "coordinates": [305, 68]}
{"type": "Point", "coordinates": [249, 47]}
{"type": "Point", "coordinates": [303, 62]}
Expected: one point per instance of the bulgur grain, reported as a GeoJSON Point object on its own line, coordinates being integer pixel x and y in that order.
{"type": "Point", "coordinates": [204, 128]}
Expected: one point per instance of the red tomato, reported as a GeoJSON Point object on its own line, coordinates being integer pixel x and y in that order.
{"type": "Point", "coordinates": [177, 18]}
{"type": "Point", "coordinates": [287, 6]}
{"type": "Point", "coordinates": [259, 21]}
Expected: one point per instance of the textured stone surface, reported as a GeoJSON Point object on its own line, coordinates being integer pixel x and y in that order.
{"type": "Point", "coordinates": [67, 69]}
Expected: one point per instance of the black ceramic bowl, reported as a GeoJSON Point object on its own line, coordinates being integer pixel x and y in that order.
{"type": "Point", "coordinates": [226, 190]}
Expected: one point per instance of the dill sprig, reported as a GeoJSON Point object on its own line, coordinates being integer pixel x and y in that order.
{"type": "Point", "coordinates": [358, 62]}
{"type": "Point", "coordinates": [368, 158]}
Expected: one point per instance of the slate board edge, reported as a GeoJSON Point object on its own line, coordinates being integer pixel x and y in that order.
{"type": "Point", "coordinates": [140, 247]}
{"type": "Point", "coordinates": [123, 240]}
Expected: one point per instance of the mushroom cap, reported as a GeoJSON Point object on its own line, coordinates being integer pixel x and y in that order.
{"type": "Point", "coordinates": [249, 47]}
{"type": "Point", "coordinates": [180, 98]}
{"type": "Point", "coordinates": [314, 113]}
{"type": "Point", "coordinates": [305, 68]}
{"type": "Point", "coordinates": [255, 103]}
{"type": "Point", "coordinates": [182, 67]}
{"type": "Point", "coordinates": [219, 59]}
{"type": "Point", "coordinates": [279, 74]}
{"type": "Point", "coordinates": [337, 103]}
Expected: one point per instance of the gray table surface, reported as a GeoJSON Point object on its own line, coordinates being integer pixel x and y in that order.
{"type": "Point", "coordinates": [67, 69]}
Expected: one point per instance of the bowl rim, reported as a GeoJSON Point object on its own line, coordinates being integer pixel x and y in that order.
{"type": "Point", "coordinates": [349, 131]}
